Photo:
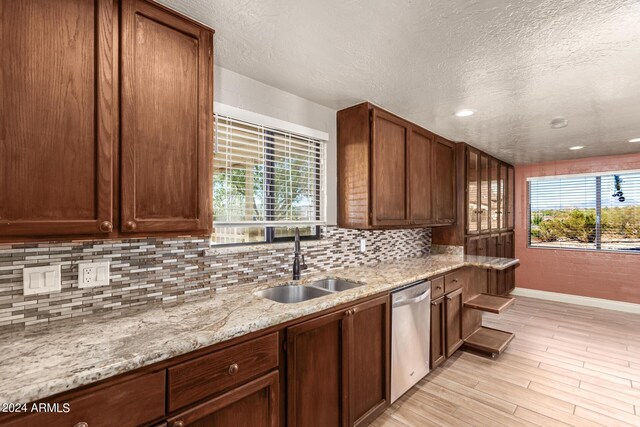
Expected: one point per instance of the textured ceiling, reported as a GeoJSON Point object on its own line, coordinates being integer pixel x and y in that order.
{"type": "Point", "coordinates": [518, 64]}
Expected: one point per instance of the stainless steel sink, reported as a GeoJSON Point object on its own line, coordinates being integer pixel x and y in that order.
{"type": "Point", "coordinates": [289, 294]}
{"type": "Point", "coordinates": [335, 285]}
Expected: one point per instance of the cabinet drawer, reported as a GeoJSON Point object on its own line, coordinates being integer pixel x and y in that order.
{"type": "Point", "coordinates": [453, 281]}
{"type": "Point", "coordinates": [437, 287]}
{"type": "Point", "coordinates": [197, 379]}
{"type": "Point", "coordinates": [131, 403]}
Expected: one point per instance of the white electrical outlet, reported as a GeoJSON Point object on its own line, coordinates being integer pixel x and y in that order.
{"type": "Point", "coordinates": [91, 275]}
{"type": "Point", "coordinates": [41, 280]}
{"type": "Point", "coordinates": [363, 245]}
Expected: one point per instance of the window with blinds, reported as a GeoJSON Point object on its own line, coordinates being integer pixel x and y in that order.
{"type": "Point", "coordinates": [266, 182]}
{"type": "Point", "coordinates": [594, 211]}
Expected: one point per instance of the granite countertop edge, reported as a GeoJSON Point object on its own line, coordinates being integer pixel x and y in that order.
{"type": "Point", "coordinates": [38, 362]}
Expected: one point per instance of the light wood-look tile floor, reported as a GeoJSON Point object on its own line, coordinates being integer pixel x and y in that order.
{"type": "Point", "coordinates": [568, 365]}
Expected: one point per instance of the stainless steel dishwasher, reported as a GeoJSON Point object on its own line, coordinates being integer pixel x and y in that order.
{"type": "Point", "coordinates": [410, 335]}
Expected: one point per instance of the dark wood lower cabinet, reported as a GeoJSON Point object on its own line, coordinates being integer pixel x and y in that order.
{"type": "Point", "coordinates": [438, 332]}
{"type": "Point", "coordinates": [338, 367]}
{"type": "Point", "coordinates": [316, 355]}
{"type": "Point", "coordinates": [369, 336]}
{"type": "Point", "coordinates": [447, 331]}
{"type": "Point", "coordinates": [454, 338]}
{"type": "Point", "coordinates": [255, 404]}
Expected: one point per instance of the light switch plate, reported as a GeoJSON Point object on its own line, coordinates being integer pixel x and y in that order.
{"type": "Point", "coordinates": [41, 280]}
{"type": "Point", "coordinates": [93, 274]}
{"type": "Point", "coordinates": [363, 245]}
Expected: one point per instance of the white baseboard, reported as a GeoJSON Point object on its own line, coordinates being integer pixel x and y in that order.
{"type": "Point", "coordinates": [608, 304]}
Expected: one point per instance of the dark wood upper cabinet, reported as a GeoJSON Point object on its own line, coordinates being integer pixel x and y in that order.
{"type": "Point", "coordinates": [167, 71]}
{"type": "Point", "coordinates": [502, 197]}
{"type": "Point", "coordinates": [484, 196]}
{"type": "Point", "coordinates": [390, 136]}
{"type": "Point", "coordinates": [392, 173]}
{"type": "Point", "coordinates": [80, 158]}
{"type": "Point", "coordinates": [420, 167]}
{"type": "Point", "coordinates": [494, 172]}
{"type": "Point", "coordinates": [444, 181]}
{"type": "Point", "coordinates": [511, 197]}
{"type": "Point", "coordinates": [57, 134]}
{"type": "Point", "coordinates": [473, 191]}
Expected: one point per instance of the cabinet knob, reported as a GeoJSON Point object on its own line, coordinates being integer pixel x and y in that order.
{"type": "Point", "coordinates": [106, 227]}
{"type": "Point", "coordinates": [438, 287]}
{"type": "Point", "coordinates": [81, 424]}
{"type": "Point", "coordinates": [350, 312]}
{"type": "Point", "coordinates": [434, 303]}
{"type": "Point", "coordinates": [130, 225]}
{"type": "Point", "coordinates": [178, 423]}
{"type": "Point", "coordinates": [233, 369]}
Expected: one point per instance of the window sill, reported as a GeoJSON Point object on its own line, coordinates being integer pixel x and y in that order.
{"type": "Point", "coordinates": [257, 247]}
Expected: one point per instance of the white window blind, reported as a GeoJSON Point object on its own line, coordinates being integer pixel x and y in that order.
{"type": "Point", "coordinates": [266, 177]}
{"type": "Point", "coordinates": [594, 211]}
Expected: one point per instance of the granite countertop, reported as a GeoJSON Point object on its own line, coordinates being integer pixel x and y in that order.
{"type": "Point", "coordinates": [39, 361]}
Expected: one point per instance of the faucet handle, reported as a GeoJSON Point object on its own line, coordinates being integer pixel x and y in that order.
{"type": "Point", "coordinates": [304, 265]}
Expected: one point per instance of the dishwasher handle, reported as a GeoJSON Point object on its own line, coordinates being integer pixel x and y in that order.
{"type": "Point", "coordinates": [426, 294]}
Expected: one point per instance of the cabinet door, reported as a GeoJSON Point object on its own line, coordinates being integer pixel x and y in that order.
{"type": "Point", "coordinates": [57, 130]}
{"type": "Point", "coordinates": [453, 334]}
{"type": "Point", "coordinates": [444, 181]}
{"type": "Point", "coordinates": [166, 121]}
{"type": "Point", "coordinates": [388, 169]}
{"type": "Point", "coordinates": [511, 197]}
{"type": "Point", "coordinates": [484, 195]}
{"type": "Point", "coordinates": [369, 345]}
{"type": "Point", "coordinates": [492, 245]}
{"type": "Point", "coordinates": [473, 191]}
{"type": "Point", "coordinates": [471, 246]}
{"type": "Point", "coordinates": [494, 184]}
{"type": "Point", "coordinates": [420, 159]}
{"type": "Point", "coordinates": [254, 404]}
{"type": "Point", "coordinates": [502, 197]}
{"type": "Point", "coordinates": [477, 245]}
{"type": "Point", "coordinates": [316, 355]}
{"type": "Point", "coordinates": [438, 322]}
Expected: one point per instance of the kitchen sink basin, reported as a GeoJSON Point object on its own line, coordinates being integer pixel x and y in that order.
{"type": "Point", "coordinates": [335, 285]}
{"type": "Point", "coordinates": [289, 294]}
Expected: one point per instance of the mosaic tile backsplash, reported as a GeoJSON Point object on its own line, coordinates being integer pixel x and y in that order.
{"type": "Point", "coordinates": [157, 270]}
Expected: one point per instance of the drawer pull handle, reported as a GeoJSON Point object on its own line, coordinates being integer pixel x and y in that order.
{"type": "Point", "coordinates": [233, 369]}
{"type": "Point", "coordinates": [81, 424]}
{"type": "Point", "coordinates": [454, 281]}
{"type": "Point", "coordinates": [178, 423]}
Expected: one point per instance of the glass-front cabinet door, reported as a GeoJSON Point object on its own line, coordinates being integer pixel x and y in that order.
{"type": "Point", "coordinates": [493, 193]}
{"type": "Point", "coordinates": [511, 186]}
{"type": "Point", "coordinates": [502, 197]}
{"type": "Point", "coordinates": [485, 217]}
{"type": "Point", "coordinates": [472, 191]}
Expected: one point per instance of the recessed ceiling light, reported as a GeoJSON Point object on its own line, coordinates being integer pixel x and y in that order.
{"type": "Point", "coordinates": [634, 140]}
{"type": "Point", "coordinates": [577, 147]}
{"type": "Point", "coordinates": [559, 123]}
{"type": "Point", "coordinates": [465, 113]}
